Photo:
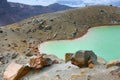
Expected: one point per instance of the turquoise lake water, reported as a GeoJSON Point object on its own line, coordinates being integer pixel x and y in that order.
{"type": "Point", "coordinates": [104, 41]}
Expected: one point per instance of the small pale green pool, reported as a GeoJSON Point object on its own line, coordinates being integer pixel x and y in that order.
{"type": "Point", "coordinates": [104, 41]}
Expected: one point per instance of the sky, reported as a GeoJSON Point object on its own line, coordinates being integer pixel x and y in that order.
{"type": "Point", "coordinates": [73, 3]}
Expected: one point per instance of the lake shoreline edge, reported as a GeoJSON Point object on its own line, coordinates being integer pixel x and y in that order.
{"type": "Point", "coordinates": [81, 34]}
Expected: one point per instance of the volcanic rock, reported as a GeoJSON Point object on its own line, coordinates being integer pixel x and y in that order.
{"type": "Point", "coordinates": [48, 27]}
{"type": "Point", "coordinates": [15, 71]}
{"type": "Point", "coordinates": [68, 57]}
{"type": "Point", "coordinates": [113, 63]}
{"type": "Point", "coordinates": [84, 59]}
{"type": "Point", "coordinates": [14, 55]}
{"type": "Point", "coordinates": [39, 62]}
{"type": "Point", "coordinates": [116, 72]}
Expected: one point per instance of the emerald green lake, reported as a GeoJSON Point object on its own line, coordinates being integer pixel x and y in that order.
{"type": "Point", "coordinates": [103, 40]}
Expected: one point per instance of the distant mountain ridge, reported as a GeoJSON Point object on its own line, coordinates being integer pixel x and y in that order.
{"type": "Point", "coordinates": [14, 12]}
{"type": "Point", "coordinates": [79, 3]}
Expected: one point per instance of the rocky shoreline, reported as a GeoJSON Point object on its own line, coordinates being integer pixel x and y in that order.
{"type": "Point", "coordinates": [59, 70]}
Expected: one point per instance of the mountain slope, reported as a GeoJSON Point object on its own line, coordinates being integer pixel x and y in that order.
{"type": "Point", "coordinates": [59, 25]}
{"type": "Point", "coordinates": [24, 37]}
{"type": "Point", "coordinates": [14, 12]}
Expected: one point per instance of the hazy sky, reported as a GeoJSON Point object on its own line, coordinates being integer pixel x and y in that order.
{"type": "Point", "coordinates": [67, 2]}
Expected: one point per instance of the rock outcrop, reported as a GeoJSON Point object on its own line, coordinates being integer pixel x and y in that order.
{"type": "Point", "coordinates": [84, 59]}
{"type": "Point", "coordinates": [3, 3]}
{"type": "Point", "coordinates": [40, 62]}
{"type": "Point", "coordinates": [15, 71]}
{"type": "Point", "coordinates": [113, 63]}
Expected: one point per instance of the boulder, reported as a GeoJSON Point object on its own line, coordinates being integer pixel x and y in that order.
{"type": "Point", "coordinates": [48, 27]}
{"type": "Point", "coordinates": [1, 31]}
{"type": "Point", "coordinates": [84, 59]}
{"type": "Point", "coordinates": [48, 61]}
{"type": "Point", "coordinates": [14, 55]}
{"type": "Point", "coordinates": [54, 58]}
{"type": "Point", "coordinates": [40, 27]}
{"type": "Point", "coordinates": [1, 57]}
{"type": "Point", "coordinates": [39, 62]}
{"type": "Point", "coordinates": [29, 53]}
{"type": "Point", "coordinates": [68, 57]}
{"type": "Point", "coordinates": [113, 63]}
{"type": "Point", "coordinates": [15, 71]}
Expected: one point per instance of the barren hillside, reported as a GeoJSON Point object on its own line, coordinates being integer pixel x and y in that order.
{"type": "Point", "coordinates": [28, 33]}
{"type": "Point", "coordinates": [23, 37]}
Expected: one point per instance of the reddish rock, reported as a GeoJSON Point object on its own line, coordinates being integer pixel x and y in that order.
{"type": "Point", "coordinates": [39, 62]}
{"type": "Point", "coordinates": [15, 71]}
